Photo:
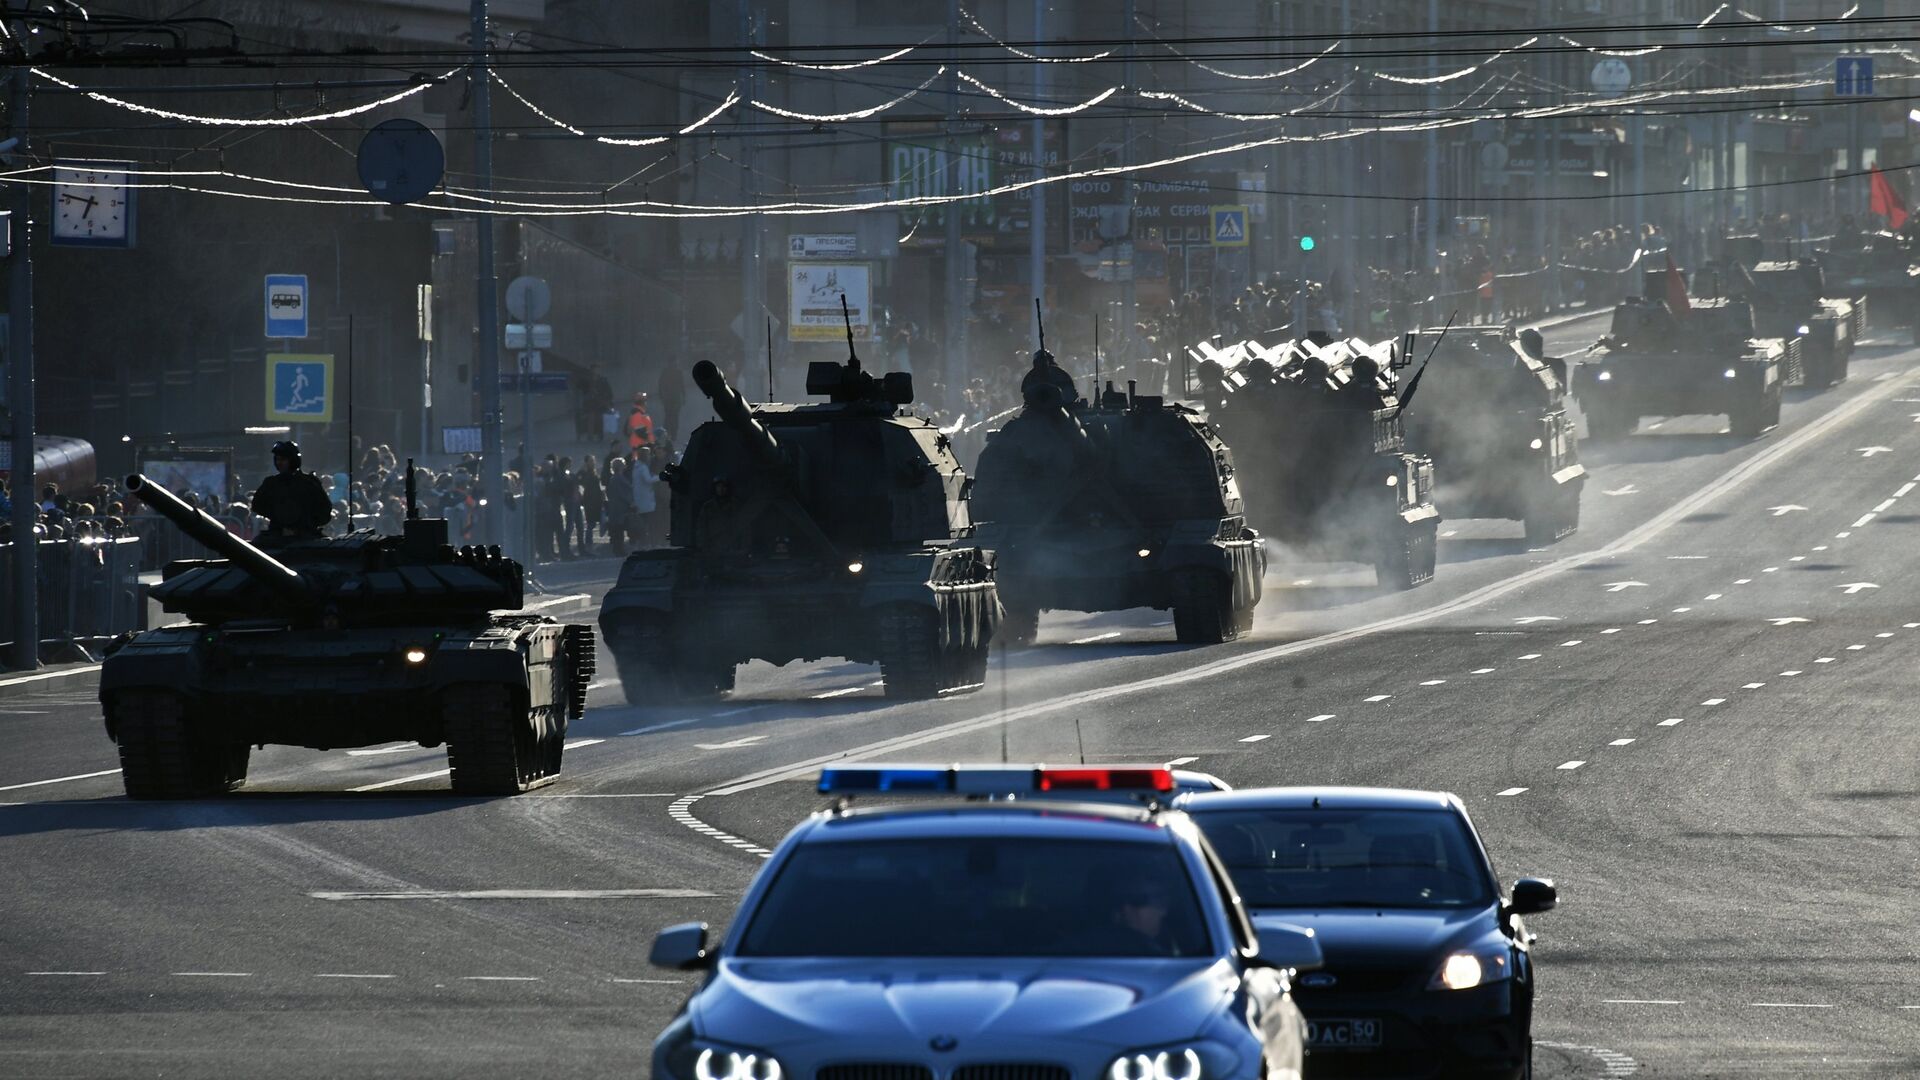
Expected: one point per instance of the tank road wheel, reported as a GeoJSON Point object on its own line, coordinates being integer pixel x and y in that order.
{"type": "Point", "coordinates": [162, 758]}
{"type": "Point", "coordinates": [651, 673]}
{"type": "Point", "coordinates": [1019, 626]}
{"type": "Point", "coordinates": [1203, 609]}
{"type": "Point", "coordinates": [491, 744]}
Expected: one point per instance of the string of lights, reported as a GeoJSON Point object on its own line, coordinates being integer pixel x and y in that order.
{"type": "Point", "coordinates": [247, 121]}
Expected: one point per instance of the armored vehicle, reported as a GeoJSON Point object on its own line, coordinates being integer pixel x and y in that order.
{"type": "Point", "coordinates": [1124, 502]}
{"type": "Point", "coordinates": [1878, 267]}
{"type": "Point", "coordinates": [1316, 430]}
{"type": "Point", "coordinates": [838, 528]}
{"type": "Point", "coordinates": [1492, 414]}
{"type": "Point", "coordinates": [335, 642]}
{"type": "Point", "coordinates": [1789, 301]}
{"type": "Point", "coordinates": [1654, 362]}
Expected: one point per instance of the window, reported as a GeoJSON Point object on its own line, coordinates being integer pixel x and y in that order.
{"type": "Point", "coordinates": [1318, 859]}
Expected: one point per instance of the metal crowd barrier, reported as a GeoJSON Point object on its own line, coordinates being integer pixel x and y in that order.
{"type": "Point", "coordinates": [162, 542]}
{"type": "Point", "coordinates": [89, 591]}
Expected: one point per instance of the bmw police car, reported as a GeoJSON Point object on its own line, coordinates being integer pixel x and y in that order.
{"type": "Point", "coordinates": [1428, 967]}
{"type": "Point", "coordinates": [982, 936]}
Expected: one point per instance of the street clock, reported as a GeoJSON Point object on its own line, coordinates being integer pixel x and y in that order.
{"type": "Point", "coordinates": [92, 205]}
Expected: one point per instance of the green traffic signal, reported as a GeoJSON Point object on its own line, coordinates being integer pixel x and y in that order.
{"type": "Point", "coordinates": [1306, 243]}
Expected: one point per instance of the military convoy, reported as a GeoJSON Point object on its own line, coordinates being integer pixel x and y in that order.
{"type": "Point", "coordinates": [1126, 501]}
{"type": "Point", "coordinates": [1790, 302]}
{"type": "Point", "coordinates": [1879, 267]}
{"type": "Point", "coordinates": [1702, 359]}
{"type": "Point", "coordinates": [837, 528]}
{"type": "Point", "coordinates": [340, 642]}
{"type": "Point", "coordinates": [1318, 436]}
{"type": "Point", "coordinates": [1492, 414]}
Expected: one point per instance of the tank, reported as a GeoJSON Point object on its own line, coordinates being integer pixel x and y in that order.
{"type": "Point", "coordinates": [1653, 362]}
{"type": "Point", "coordinates": [1875, 270]}
{"type": "Point", "coordinates": [1789, 300]}
{"type": "Point", "coordinates": [1323, 456]}
{"type": "Point", "coordinates": [1129, 501]}
{"type": "Point", "coordinates": [836, 528]}
{"type": "Point", "coordinates": [337, 642]}
{"type": "Point", "coordinates": [1491, 412]}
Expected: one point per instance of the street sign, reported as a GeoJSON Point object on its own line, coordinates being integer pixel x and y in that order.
{"type": "Point", "coordinates": [536, 382]}
{"type": "Point", "coordinates": [521, 336]}
{"type": "Point", "coordinates": [1230, 226]}
{"type": "Point", "coordinates": [817, 245]}
{"type": "Point", "coordinates": [1610, 76]}
{"type": "Point", "coordinates": [299, 388]}
{"type": "Point", "coordinates": [529, 299]}
{"type": "Point", "coordinates": [401, 161]}
{"type": "Point", "coordinates": [286, 305]}
{"type": "Point", "coordinates": [460, 440]}
{"type": "Point", "coordinates": [1853, 76]}
{"type": "Point", "coordinates": [814, 290]}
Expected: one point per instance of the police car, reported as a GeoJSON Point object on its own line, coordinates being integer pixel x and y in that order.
{"type": "Point", "coordinates": [991, 931]}
{"type": "Point", "coordinates": [1429, 970]}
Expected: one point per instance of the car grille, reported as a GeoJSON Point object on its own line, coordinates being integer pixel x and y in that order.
{"type": "Point", "coordinates": [874, 1070]}
{"type": "Point", "coordinates": [1017, 1071]}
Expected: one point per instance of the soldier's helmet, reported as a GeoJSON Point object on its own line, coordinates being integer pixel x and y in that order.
{"type": "Point", "coordinates": [1314, 373]}
{"type": "Point", "coordinates": [1366, 370]}
{"type": "Point", "coordinates": [287, 448]}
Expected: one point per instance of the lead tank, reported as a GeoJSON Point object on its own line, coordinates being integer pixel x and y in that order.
{"type": "Point", "coordinates": [1315, 426]}
{"type": "Point", "coordinates": [1125, 502]}
{"type": "Point", "coordinates": [339, 642]}
{"type": "Point", "coordinates": [837, 528]}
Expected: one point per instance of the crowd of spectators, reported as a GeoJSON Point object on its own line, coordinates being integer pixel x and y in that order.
{"type": "Point", "coordinates": [96, 513]}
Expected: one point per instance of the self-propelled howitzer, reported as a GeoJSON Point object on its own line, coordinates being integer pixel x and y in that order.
{"type": "Point", "coordinates": [838, 528]}
{"type": "Point", "coordinates": [336, 642]}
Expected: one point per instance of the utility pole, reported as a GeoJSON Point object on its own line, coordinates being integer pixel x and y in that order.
{"type": "Point", "coordinates": [26, 503]}
{"type": "Point", "coordinates": [751, 280]}
{"type": "Point", "coordinates": [959, 369]}
{"type": "Point", "coordinates": [1129, 290]}
{"type": "Point", "coordinates": [1037, 195]}
{"type": "Point", "coordinates": [1433, 141]}
{"type": "Point", "coordinates": [487, 360]}
{"type": "Point", "coordinates": [1353, 295]}
{"type": "Point", "coordinates": [1541, 148]}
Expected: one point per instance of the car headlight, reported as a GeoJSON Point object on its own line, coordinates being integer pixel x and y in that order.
{"type": "Point", "coordinates": [1470, 968]}
{"type": "Point", "coordinates": [717, 1063]}
{"type": "Point", "coordinates": [1536, 444]}
{"type": "Point", "coordinates": [1605, 376]}
{"type": "Point", "coordinates": [1731, 374]}
{"type": "Point", "coordinates": [682, 1055]}
{"type": "Point", "coordinates": [1179, 1063]}
{"type": "Point", "coordinates": [1393, 481]}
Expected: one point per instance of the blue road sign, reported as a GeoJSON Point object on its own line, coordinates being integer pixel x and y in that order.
{"type": "Point", "coordinates": [1853, 76]}
{"type": "Point", "coordinates": [286, 305]}
{"type": "Point", "coordinates": [1229, 226]}
{"type": "Point", "coordinates": [299, 388]}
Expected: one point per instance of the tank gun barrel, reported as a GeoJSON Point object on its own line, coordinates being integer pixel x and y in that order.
{"type": "Point", "coordinates": [262, 567]}
{"type": "Point", "coordinates": [733, 411]}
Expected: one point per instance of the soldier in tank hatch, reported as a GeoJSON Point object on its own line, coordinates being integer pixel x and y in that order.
{"type": "Point", "coordinates": [293, 501]}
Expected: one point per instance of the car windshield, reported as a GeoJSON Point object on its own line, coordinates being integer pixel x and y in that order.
{"type": "Point", "coordinates": [980, 896]}
{"type": "Point", "coordinates": [1349, 858]}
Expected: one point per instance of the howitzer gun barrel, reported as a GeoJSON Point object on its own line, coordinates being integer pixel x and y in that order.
{"type": "Point", "coordinates": [259, 565]}
{"type": "Point", "coordinates": [733, 411]}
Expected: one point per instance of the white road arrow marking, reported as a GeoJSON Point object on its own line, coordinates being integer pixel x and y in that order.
{"type": "Point", "coordinates": [1869, 451]}
{"type": "Point", "coordinates": [1621, 586]}
{"type": "Point", "coordinates": [732, 744]}
{"type": "Point", "coordinates": [1788, 621]}
{"type": "Point", "coordinates": [1631, 490]}
{"type": "Point", "coordinates": [1526, 619]}
{"type": "Point", "coordinates": [1856, 586]}
{"type": "Point", "coordinates": [1782, 511]}
{"type": "Point", "coordinates": [1916, 418]}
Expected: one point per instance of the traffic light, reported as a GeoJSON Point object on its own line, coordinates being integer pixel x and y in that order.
{"type": "Point", "coordinates": [1306, 243]}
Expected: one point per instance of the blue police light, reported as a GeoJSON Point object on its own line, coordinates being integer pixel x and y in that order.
{"type": "Point", "coordinates": [872, 781]}
{"type": "Point", "coordinates": [1306, 243]}
{"type": "Point", "coordinates": [991, 779]}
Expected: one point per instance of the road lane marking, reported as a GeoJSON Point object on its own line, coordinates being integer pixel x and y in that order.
{"type": "Point", "coordinates": [578, 743]}
{"type": "Point", "coordinates": [1753, 686]}
{"type": "Point", "coordinates": [348, 975]}
{"type": "Point", "coordinates": [1825, 660]}
{"type": "Point", "coordinates": [1569, 766]}
{"type": "Point", "coordinates": [65, 974]}
{"type": "Point", "coordinates": [1910, 626]}
{"type": "Point", "coordinates": [519, 894]}
{"type": "Point", "coordinates": [1640, 1001]}
{"type": "Point", "coordinates": [1841, 535]}
{"type": "Point", "coordinates": [499, 978]}
{"type": "Point", "coordinates": [842, 692]}
{"type": "Point", "coordinates": [1529, 656]}
{"type": "Point", "coordinates": [1790, 674]}
{"type": "Point", "coordinates": [1818, 547]}
{"type": "Point", "coordinates": [1685, 558]}
{"type": "Point", "coordinates": [1647, 622]}
{"type": "Point", "coordinates": [1715, 701]}
{"type": "Point", "coordinates": [1096, 637]}
{"type": "Point", "coordinates": [1864, 519]}
{"type": "Point", "coordinates": [1621, 742]}
{"type": "Point", "coordinates": [403, 780]}
{"type": "Point", "coordinates": [1714, 596]}
{"type": "Point", "coordinates": [1672, 720]}
{"type": "Point", "coordinates": [1882, 508]}
{"type": "Point", "coordinates": [1481, 671]}
{"type": "Point", "coordinates": [652, 982]}
{"type": "Point", "coordinates": [681, 812]}
{"type": "Point", "coordinates": [1770, 570]}
{"type": "Point", "coordinates": [1509, 792]}
{"type": "Point", "coordinates": [1256, 738]}
{"type": "Point", "coordinates": [1887, 634]}
{"type": "Point", "coordinates": [375, 751]}
{"type": "Point", "coordinates": [1789, 448]}
{"type": "Point", "coordinates": [45, 675]}
{"type": "Point", "coordinates": [1378, 697]}
{"type": "Point", "coordinates": [1570, 644]}
{"type": "Point", "coordinates": [1789, 1005]}
{"type": "Point", "coordinates": [1905, 490]}
{"type": "Point", "coordinates": [59, 780]}
{"type": "Point", "coordinates": [1179, 761]}
{"type": "Point", "coordinates": [1612, 630]}
{"type": "Point", "coordinates": [1434, 682]}
{"type": "Point", "coordinates": [1855, 648]}
{"type": "Point", "coordinates": [734, 744]}
{"type": "Point", "coordinates": [1743, 581]}
{"type": "Point", "coordinates": [1322, 718]}
{"type": "Point", "coordinates": [213, 974]}
{"type": "Point", "coordinates": [1798, 558]}
{"type": "Point", "coordinates": [1681, 610]}
{"type": "Point", "coordinates": [651, 728]}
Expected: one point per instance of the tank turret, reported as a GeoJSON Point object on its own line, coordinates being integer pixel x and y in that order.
{"type": "Point", "coordinates": [282, 580]}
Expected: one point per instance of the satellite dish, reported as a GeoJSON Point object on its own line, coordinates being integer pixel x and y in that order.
{"type": "Point", "coordinates": [401, 161]}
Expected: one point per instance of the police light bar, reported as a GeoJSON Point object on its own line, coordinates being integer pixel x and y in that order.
{"type": "Point", "coordinates": [991, 779]}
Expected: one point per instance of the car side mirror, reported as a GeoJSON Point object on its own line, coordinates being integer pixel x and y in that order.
{"type": "Point", "coordinates": [1283, 945]}
{"type": "Point", "coordinates": [681, 948]}
{"type": "Point", "coordinates": [1532, 895]}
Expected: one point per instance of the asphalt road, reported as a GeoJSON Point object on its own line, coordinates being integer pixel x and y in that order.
{"type": "Point", "coordinates": [1694, 715]}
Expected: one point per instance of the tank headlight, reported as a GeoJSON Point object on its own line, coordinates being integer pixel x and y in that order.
{"type": "Point", "coordinates": [1393, 481]}
{"type": "Point", "coordinates": [1605, 376]}
{"type": "Point", "coordinates": [1144, 552]}
{"type": "Point", "coordinates": [416, 655]}
{"type": "Point", "coordinates": [856, 566]}
{"type": "Point", "coordinates": [1805, 329]}
{"type": "Point", "coordinates": [1731, 374]}
{"type": "Point", "coordinates": [1536, 444]}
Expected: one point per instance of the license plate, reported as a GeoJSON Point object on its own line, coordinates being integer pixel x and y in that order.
{"type": "Point", "coordinates": [1343, 1034]}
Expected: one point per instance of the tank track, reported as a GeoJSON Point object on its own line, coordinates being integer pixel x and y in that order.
{"type": "Point", "coordinates": [915, 664]}
{"type": "Point", "coordinates": [162, 758]}
{"type": "Point", "coordinates": [491, 744]}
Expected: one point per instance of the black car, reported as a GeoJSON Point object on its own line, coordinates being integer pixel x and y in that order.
{"type": "Point", "coordinates": [1429, 969]}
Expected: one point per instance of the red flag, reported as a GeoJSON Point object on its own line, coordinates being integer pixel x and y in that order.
{"type": "Point", "coordinates": [1677, 301]}
{"type": "Point", "coordinates": [1886, 201]}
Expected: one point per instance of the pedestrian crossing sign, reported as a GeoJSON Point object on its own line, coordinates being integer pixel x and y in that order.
{"type": "Point", "coordinates": [1230, 226]}
{"type": "Point", "coordinates": [299, 388]}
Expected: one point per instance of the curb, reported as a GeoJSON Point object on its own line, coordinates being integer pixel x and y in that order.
{"type": "Point", "coordinates": [87, 676]}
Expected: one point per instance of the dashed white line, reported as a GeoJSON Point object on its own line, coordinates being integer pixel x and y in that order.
{"type": "Point", "coordinates": [651, 728]}
{"type": "Point", "coordinates": [1097, 637]}
{"type": "Point", "coordinates": [1910, 626]}
{"type": "Point", "coordinates": [1482, 671]}
{"type": "Point", "coordinates": [1769, 569]}
{"type": "Point", "coordinates": [1322, 718]}
{"type": "Point", "coordinates": [1790, 674]}
{"type": "Point", "coordinates": [349, 975]}
{"type": "Point", "coordinates": [1855, 648]}
{"type": "Point", "coordinates": [681, 813]}
{"type": "Point", "coordinates": [65, 974]}
{"type": "Point", "coordinates": [1825, 660]}
{"type": "Point", "coordinates": [1569, 644]}
{"type": "Point", "coordinates": [213, 974]}
{"type": "Point", "coordinates": [1714, 596]}
{"type": "Point", "coordinates": [1434, 682]}
{"type": "Point", "coordinates": [1819, 547]}
{"type": "Point", "coordinates": [578, 743]}
{"type": "Point", "coordinates": [1715, 701]}
{"type": "Point", "coordinates": [374, 751]}
{"type": "Point", "coordinates": [1673, 720]}
{"type": "Point", "coordinates": [1256, 738]}
{"type": "Point", "coordinates": [1681, 610]}
{"type": "Point", "coordinates": [1864, 518]}
{"type": "Point", "coordinates": [651, 982]}
{"type": "Point", "coordinates": [1611, 630]}
{"type": "Point", "coordinates": [1841, 535]}
{"type": "Point", "coordinates": [1887, 634]}
{"type": "Point", "coordinates": [499, 978]}
{"type": "Point", "coordinates": [1179, 761]}
{"type": "Point", "coordinates": [1377, 697]}
{"type": "Point", "coordinates": [1621, 742]}
{"type": "Point", "coordinates": [518, 894]}
{"type": "Point", "coordinates": [842, 692]}
{"type": "Point", "coordinates": [1509, 792]}
{"type": "Point", "coordinates": [1882, 508]}
{"type": "Point", "coordinates": [1530, 656]}
{"type": "Point", "coordinates": [1569, 766]}
{"type": "Point", "coordinates": [1798, 558]}
{"type": "Point", "coordinates": [1743, 581]}
{"type": "Point", "coordinates": [1789, 1005]}
{"type": "Point", "coordinates": [1648, 622]}
{"type": "Point", "coordinates": [59, 780]}
{"type": "Point", "coordinates": [1640, 1001]}
{"type": "Point", "coordinates": [1753, 686]}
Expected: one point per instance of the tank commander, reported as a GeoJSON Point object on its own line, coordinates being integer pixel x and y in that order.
{"type": "Point", "coordinates": [291, 500]}
{"type": "Point", "coordinates": [1045, 372]}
